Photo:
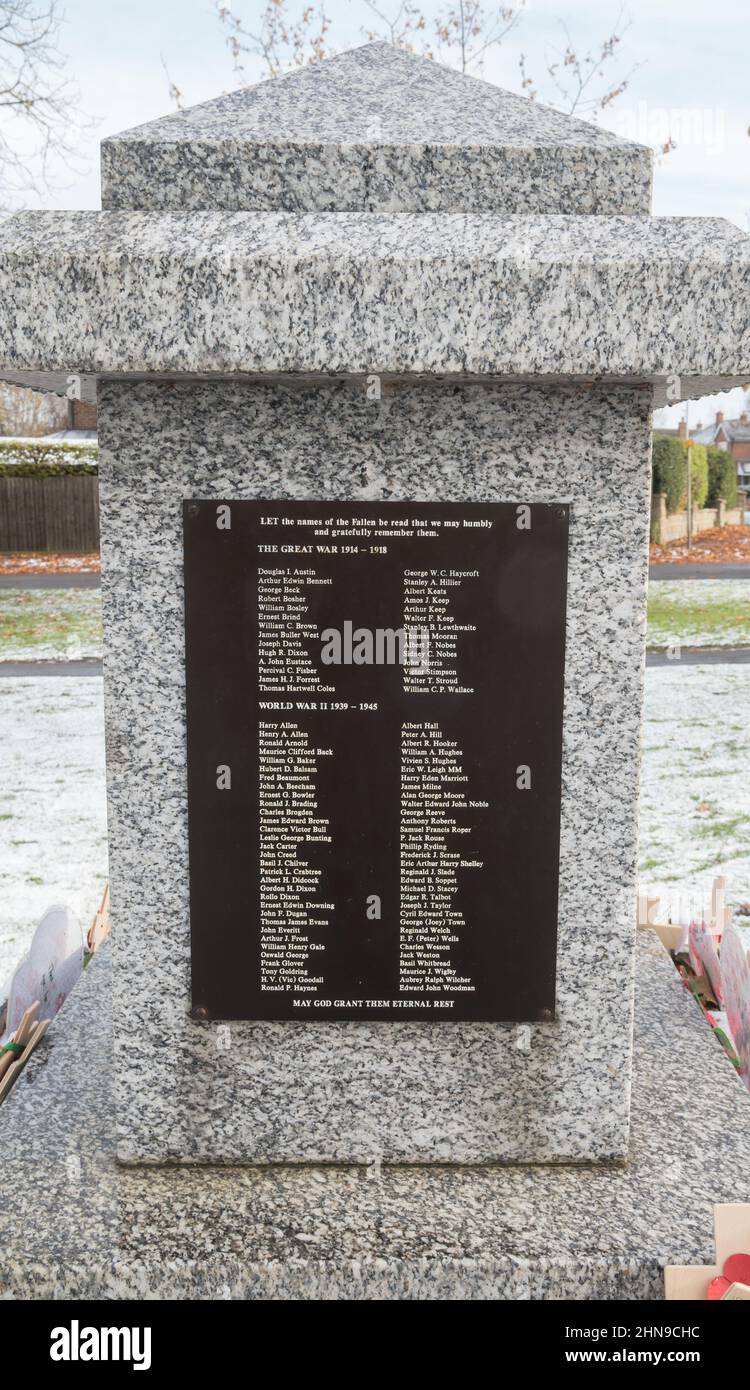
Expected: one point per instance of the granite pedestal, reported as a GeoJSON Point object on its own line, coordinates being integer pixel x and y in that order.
{"type": "Point", "coordinates": [76, 1224]}
{"type": "Point", "coordinates": [262, 264]}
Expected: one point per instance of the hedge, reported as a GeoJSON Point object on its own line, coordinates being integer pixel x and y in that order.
{"type": "Point", "coordinates": [31, 458]}
{"type": "Point", "coordinates": [47, 470]}
{"type": "Point", "coordinates": [669, 470]}
{"type": "Point", "coordinates": [722, 477]}
{"type": "Point", "coordinates": [698, 473]}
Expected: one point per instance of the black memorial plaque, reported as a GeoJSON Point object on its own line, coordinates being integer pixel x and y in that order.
{"type": "Point", "coordinates": [374, 722]}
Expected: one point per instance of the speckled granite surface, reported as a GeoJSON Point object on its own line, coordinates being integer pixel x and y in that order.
{"type": "Point", "coordinates": [231, 293]}
{"type": "Point", "coordinates": [408, 1092]}
{"type": "Point", "coordinates": [422, 291]}
{"type": "Point", "coordinates": [375, 129]}
{"type": "Point", "coordinates": [75, 1225]}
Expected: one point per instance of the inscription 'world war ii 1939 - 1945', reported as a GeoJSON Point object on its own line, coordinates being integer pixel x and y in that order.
{"type": "Point", "coordinates": [374, 701]}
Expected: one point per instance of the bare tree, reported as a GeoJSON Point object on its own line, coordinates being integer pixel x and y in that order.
{"type": "Point", "coordinates": [580, 83]}
{"type": "Point", "coordinates": [29, 413]}
{"type": "Point", "coordinates": [403, 24]}
{"type": "Point", "coordinates": [468, 30]}
{"type": "Point", "coordinates": [175, 92]}
{"type": "Point", "coordinates": [279, 41]}
{"type": "Point", "coordinates": [461, 33]}
{"type": "Point", "coordinates": [39, 117]}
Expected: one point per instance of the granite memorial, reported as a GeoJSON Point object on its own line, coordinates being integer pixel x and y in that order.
{"type": "Point", "coordinates": [376, 349]}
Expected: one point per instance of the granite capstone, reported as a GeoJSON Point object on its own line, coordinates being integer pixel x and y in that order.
{"type": "Point", "coordinates": [375, 129]}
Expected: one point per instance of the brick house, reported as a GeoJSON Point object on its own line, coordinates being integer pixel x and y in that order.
{"type": "Point", "coordinates": [732, 435]}
{"type": "Point", "coordinates": [81, 415]}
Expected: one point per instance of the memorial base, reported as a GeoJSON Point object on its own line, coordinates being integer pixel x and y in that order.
{"type": "Point", "coordinates": [74, 1224]}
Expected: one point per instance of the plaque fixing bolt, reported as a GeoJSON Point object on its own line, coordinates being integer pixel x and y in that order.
{"type": "Point", "coordinates": [546, 1016]}
{"type": "Point", "coordinates": [200, 1013]}
{"type": "Point", "coordinates": [193, 509]}
{"type": "Point", "coordinates": [562, 511]}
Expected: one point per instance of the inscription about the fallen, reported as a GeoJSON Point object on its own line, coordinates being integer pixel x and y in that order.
{"type": "Point", "coordinates": [374, 725]}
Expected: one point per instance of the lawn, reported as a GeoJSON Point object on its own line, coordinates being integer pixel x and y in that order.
{"type": "Point", "coordinates": [49, 624]}
{"type": "Point", "coordinates": [694, 806]}
{"type": "Point", "coordinates": [695, 791]}
{"type": "Point", "coordinates": [53, 825]}
{"type": "Point", "coordinates": [699, 613]}
{"type": "Point", "coordinates": [65, 624]}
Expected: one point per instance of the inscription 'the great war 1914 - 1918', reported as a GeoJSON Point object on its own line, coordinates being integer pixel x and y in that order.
{"type": "Point", "coordinates": [374, 704]}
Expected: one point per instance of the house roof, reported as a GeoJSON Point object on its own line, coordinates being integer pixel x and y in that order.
{"type": "Point", "coordinates": [734, 430]}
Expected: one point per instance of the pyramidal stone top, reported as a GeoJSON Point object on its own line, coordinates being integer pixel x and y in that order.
{"type": "Point", "coordinates": [375, 130]}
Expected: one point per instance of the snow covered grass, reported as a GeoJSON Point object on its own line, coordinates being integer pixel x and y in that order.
{"type": "Point", "coordinates": [53, 828]}
{"type": "Point", "coordinates": [65, 624]}
{"type": "Point", "coordinates": [695, 788]}
{"type": "Point", "coordinates": [49, 624]}
{"type": "Point", "coordinates": [694, 809]}
{"type": "Point", "coordinates": [699, 613]}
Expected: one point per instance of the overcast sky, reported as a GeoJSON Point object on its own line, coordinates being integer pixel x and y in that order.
{"type": "Point", "coordinates": [688, 63]}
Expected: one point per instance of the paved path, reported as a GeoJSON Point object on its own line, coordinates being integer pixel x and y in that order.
{"type": "Point", "coordinates": [738, 571]}
{"type": "Point", "coordinates": [701, 656]}
{"type": "Point", "coordinates": [50, 581]}
{"type": "Point", "coordinates": [35, 669]}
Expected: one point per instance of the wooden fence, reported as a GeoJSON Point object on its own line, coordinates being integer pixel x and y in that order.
{"type": "Point", "coordinates": [59, 514]}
